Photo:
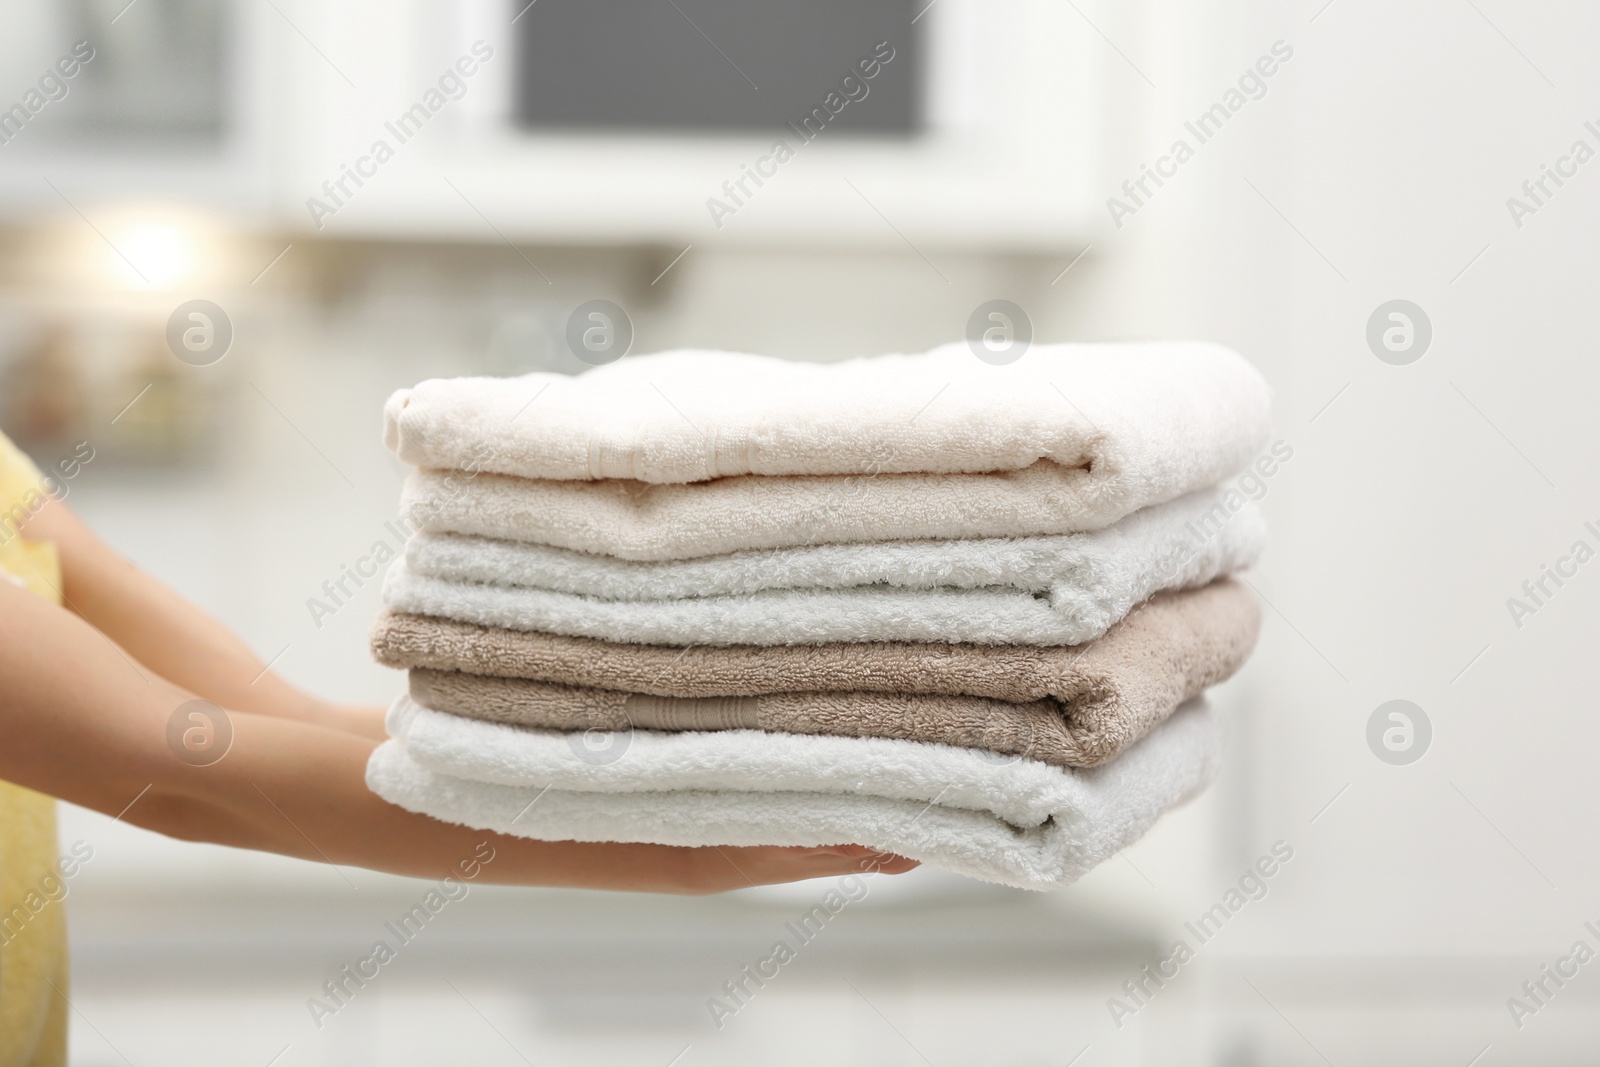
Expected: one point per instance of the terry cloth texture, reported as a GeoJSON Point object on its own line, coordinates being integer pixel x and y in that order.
{"type": "Point", "coordinates": [1071, 438]}
{"type": "Point", "coordinates": [968, 616]}
{"type": "Point", "coordinates": [1033, 826]}
{"type": "Point", "coordinates": [1036, 590]}
{"type": "Point", "coordinates": [638, 521]}
{"type": "Point", "coordinates": [1146, 420]}
{"type": "Point", "coordinates": [1067, 706]}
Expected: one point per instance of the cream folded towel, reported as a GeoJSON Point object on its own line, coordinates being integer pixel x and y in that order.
{"type": "Point", "coordinates": [1157, 417]}
{"type": "Point", "coordinates": [884, 591]}
{"type": "Point", "coordinates": [1068, 706]}
{"type": "Point", "coordinates": [1016, 822]}
{"type": "Point", "coordinates": [638, 521]}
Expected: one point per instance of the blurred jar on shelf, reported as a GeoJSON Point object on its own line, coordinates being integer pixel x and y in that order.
{"type": "Point", "coordinates": [45, 402]}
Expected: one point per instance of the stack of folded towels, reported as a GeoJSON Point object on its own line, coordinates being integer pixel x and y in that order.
{"type": "Point", "coordinates": [953, 611]}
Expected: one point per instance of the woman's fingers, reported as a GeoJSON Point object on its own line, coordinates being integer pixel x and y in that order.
{"type": "Point", "coordinates": [870, 859]}
{"type": "Point", "coordinates": [735, 868]}
{"type": "Point", "coordinates": [882, 861]}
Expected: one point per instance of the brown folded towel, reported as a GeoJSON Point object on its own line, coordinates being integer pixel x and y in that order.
{"type": "Point", "coordinates": [1074, 706]}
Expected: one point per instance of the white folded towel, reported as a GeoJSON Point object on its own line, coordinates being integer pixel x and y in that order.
{"type": "Point", "coordinates": [998, 818]}
{"type": "Point", "coordinates": [1143, 421]}
{"type": "Point", "coordinates": [1058, 590]}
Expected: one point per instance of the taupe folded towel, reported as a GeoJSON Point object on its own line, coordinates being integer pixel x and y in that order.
{"type": "Point", "coordinates": [1075, 706]}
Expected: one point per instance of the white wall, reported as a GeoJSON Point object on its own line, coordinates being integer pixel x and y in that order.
{"type": "Point", "coordinates": [1415, 504]}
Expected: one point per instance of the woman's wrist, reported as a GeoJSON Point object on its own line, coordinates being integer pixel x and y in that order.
{"type": "Point", "coordinates": [360, 720]}
{"type": "Point", "coordinates": [274, 696]}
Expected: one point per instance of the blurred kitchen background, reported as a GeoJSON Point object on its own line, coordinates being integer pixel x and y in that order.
{"type": "Point", "coordinates": [576, 163]}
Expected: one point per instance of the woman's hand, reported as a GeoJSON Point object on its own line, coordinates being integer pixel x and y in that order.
{"type": "Point", "coordinates": [721, 869]}
{"type": "Point", "coordinates": [351, 719]}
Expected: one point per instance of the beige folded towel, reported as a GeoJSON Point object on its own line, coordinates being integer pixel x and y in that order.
{"type": "Point", "coordinates": [1075, 706]}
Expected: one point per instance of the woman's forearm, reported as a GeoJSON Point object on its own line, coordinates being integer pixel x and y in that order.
{"type": "Point", "coordinates": [80, 722]}
{"type": "Point", "coordinates": [172, 637]}
{"type": "Point", "coordinates": [317, 807]}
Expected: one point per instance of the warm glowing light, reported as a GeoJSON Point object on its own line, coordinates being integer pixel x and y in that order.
{"type": "Point", "coordinates": [155, 255]}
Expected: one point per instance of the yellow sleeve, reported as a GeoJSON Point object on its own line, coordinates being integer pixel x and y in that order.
{"type": "Point", "coordinates": [31, 564]}
{"type": "Point", "coordinates": [33, 932]}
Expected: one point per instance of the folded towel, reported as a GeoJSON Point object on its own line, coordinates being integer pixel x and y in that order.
{"type": "Point", "coordinates": [636, 521]}
{"type": "Point", "coordinates": [981, 616]}
{"type": "Point", "coordinates": [818, 593]}
{"type": "Point", "coordinates": [818, 616]}
{"type": "Point", "coordinates": [1068, 706]}
{"type": "Point", "coordinates": [1030, 825]}
{"type": "Point", "coordinates": [1165, 415]}
{"type": "Point", "coordinates": [1070, 438]}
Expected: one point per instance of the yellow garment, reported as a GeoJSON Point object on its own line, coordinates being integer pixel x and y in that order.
{"type": "Point", "coordinates": [33, 943]}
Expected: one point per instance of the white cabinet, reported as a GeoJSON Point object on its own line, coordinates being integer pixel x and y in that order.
{"type": "Point", "coordinates": [312, 90]}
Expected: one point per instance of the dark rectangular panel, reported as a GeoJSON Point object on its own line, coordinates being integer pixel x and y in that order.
{"type": "Point", "coordinates": [718, 65]}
